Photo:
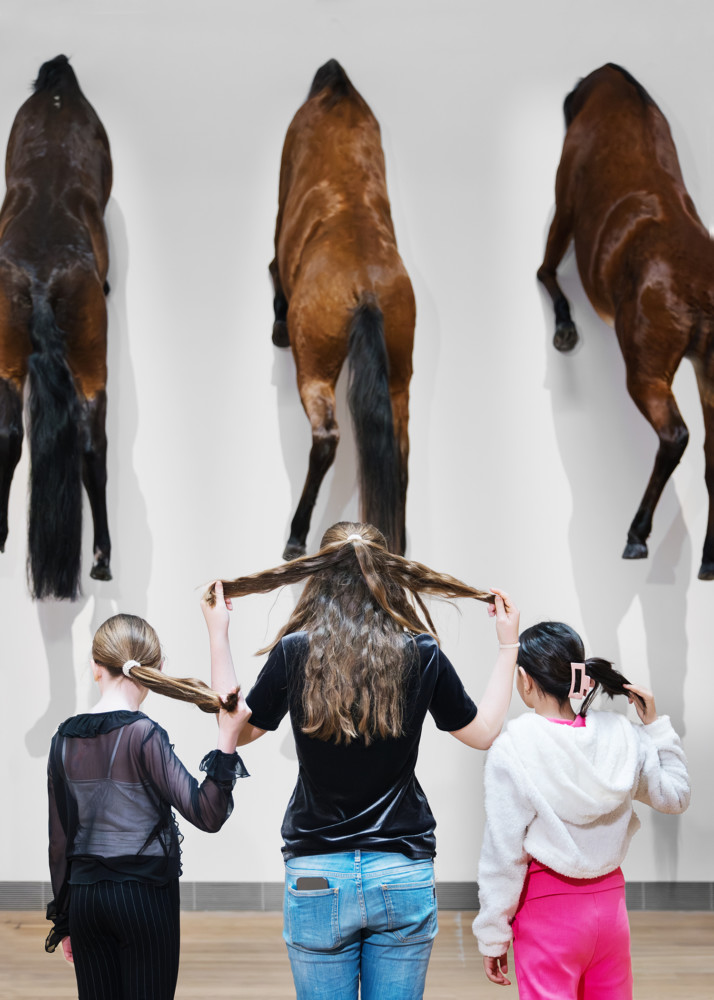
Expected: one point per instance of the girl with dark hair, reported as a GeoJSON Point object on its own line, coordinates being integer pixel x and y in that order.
{"type": "Point", "coordinates": [559, 791]}
{"type": "Point", "coordinates": [113, 779]}
{"type": "Point", "coordinates": [357, 667]}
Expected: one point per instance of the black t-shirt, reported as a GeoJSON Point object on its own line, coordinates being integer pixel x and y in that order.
{"type": "Point", "coordinates": [351, 796]}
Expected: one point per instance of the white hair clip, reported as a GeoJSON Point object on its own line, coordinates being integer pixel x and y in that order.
{"type": "Point", "coordinates": [357, 538]}
{"type": "Point", "coordinates": [126, 669]}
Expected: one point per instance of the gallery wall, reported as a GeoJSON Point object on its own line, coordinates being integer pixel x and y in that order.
{"type": "Point", "coordinates": [526, 465]}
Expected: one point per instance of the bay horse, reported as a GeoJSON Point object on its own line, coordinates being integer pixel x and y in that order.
{"type": "Point", "coordinates": [53, 325]}
{"type": "Point", "coordinates": [342, 292]}
{"type": "Point", "coordinates": [646, 262]}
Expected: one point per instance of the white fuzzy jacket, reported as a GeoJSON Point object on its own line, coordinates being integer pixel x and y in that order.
{"type": "Point", "coordinates": [563, 796]}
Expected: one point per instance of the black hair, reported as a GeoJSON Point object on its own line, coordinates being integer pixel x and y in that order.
{"type": "Point", "coordinates": [546, 653]}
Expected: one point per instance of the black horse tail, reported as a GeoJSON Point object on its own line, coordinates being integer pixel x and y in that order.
{"type": "Point", "coordinates": [371, 409]}
{"type": "Point", "coordinates": [55, 517]}
{"type": "Point", "coordinates": [57, 74]}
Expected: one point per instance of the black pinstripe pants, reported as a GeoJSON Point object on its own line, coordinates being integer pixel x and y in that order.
{"type": "Point", "coordinates": [125, 940]}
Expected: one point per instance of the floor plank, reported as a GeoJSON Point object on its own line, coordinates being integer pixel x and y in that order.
{"type": "Point", "coordinates": [242, 956]}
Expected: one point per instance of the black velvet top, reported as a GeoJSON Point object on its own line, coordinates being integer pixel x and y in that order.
{"type": "Point", "coordinates": [112, 778]}
{"type": "Point", "coordinates": [352, 796]}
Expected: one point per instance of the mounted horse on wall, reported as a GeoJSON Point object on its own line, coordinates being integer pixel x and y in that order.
{"type": "Point", "coordinates": [53, 325]}
{"type": "Point", "coordinates": [646, 262]}
{"type": "Point", "coordinates": [342, 292]}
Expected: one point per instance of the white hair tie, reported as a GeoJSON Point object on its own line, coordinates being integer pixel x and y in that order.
{"type": "Point", "coordinates": [359, 538]}
{"type": "Point", "coordinates": [126, 669]}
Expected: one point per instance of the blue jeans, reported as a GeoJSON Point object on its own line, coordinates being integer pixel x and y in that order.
{"type": "Point", "coordinates": [376, 922]}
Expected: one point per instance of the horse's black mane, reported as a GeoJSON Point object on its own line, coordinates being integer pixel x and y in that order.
{"type": "Point", "coordinates": [331, 76]}
{"type": "Point", "coordinates": [568, 102]}
{"type": "Point", "coordinates": [54, 73]}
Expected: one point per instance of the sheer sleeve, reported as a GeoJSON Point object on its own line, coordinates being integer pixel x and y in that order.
{"type": "Point", "coordinates": [58, 907]}
{"type": "Point", "coordinates": [208, 805]}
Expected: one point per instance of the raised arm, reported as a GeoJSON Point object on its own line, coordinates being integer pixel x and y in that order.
{"type": "Point", "coordinates": [492, 708]}
{"type": "Point", "coordinates": [664, 779]}
{"type": "Point", "coordinates": [223, 674]}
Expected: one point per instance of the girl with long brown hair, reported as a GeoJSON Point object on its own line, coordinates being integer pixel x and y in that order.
{"type": "Point", "coordinates": [357, 666]}
{"type": "Point", "coordinates": [113, 779]}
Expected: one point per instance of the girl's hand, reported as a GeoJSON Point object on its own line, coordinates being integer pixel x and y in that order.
{"type": "Point", "coordinates": [495, 969]}
{"type": "Point", "coordinates": [217, 616]}
{"type": "Point", "coordinates": [507, 616]}
{"type": "Point", "coordinates": [67, 949]}
{"type": "Point", "coordinates": [231, 724]}
{"type": "Point", "coordinates": [648, 712]}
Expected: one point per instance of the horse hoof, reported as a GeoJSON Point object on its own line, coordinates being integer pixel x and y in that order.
{"type": "Point", "coordinates": [293, 550]}
{"type": "Point", "coordinates": [707, 571]}
{"type": "Point", "coordinates": [635, 550]}
{"type": "Point", "coordinates": [100, 571]}
{"type": "Point", "coordinates": [566, 336]}
{"type": "Point", "coordinates": [281, 338]}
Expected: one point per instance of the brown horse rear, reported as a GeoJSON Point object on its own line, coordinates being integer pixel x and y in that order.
{"type": "Point", "coordinates": [53, 324]}
{"type": "Point", "coordinates": [341, 291]}
{"type": "Point", "coordinates": [646, 263]}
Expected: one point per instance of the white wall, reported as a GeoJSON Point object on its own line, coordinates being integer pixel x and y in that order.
{"type": "Point", "coordinates": [527, 466]}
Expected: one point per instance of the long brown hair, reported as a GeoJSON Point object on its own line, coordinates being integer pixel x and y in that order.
{"type": "Point", "coordinates": [127, 637]}
{"type": "Point", "coordinates": [358, 601]}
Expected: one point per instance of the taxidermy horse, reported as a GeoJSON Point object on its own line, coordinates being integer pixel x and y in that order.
{"type": "Point", "coordinates": [342, 292]}
{"type": "Point", "coordinates": [53, 325]}
{"type": "Point", "coordinates": [646, 262]}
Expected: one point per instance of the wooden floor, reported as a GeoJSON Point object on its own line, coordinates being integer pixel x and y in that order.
{"type": "Point", "coordinates": [242, 956]}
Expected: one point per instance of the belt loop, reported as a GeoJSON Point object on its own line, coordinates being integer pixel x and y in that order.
{"type": "Point", "coordinates": [358, 863]}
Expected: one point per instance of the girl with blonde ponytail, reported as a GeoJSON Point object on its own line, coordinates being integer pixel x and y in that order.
{"type": "Point", "coordinates": [357, 666]}
{"type": "Point", "coordinates": [113, 780]}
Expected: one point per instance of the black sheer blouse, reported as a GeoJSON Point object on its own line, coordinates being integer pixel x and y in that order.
{"type": "Point", "coordinates": [112, 780]}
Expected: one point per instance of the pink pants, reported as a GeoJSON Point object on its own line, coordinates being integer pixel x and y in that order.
{"type": "Point", "coordinates": [571, 938]}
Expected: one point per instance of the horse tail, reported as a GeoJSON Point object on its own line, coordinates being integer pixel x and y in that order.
{"type": "Point", "coordinates": [56, 74]}
{"type": "Point", "coordinates": [55, 516]}
{"type": "Point", "coordinates": [371, 408]}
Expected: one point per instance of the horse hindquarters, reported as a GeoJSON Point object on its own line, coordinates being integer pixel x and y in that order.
{"type": "Point", "coordinates": [55, 514]}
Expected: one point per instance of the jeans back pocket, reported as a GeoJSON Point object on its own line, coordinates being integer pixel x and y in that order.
{"type": "Point", "coordinates": [313, 918]}
{"type": "Point", "coordinates": [411, 910]}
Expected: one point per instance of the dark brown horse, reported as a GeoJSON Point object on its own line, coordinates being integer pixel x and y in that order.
{"type": "Point", "coordinates": [341, 291]}
{"type": "Point", "coordinates": [646, 262]}
{"type": "Point", "coordinates": [53, 325]}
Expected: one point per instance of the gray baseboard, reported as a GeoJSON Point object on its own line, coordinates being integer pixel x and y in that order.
{"type": "Point", "coordinates": [268, 896]}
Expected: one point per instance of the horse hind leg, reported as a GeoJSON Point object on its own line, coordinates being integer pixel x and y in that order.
{"type": "Point", "coordinates": [281, 337]}
{"type": "Point", "coordinates": [657, 403]}
{"type": "Point", "coordinates": [559, 236]}
{"type": "Point", "coordinates": [10, 447]}
{"type": "Point", "coordinates": [94, 477]}
{"type": "Point", "coordinates": [318, 399]}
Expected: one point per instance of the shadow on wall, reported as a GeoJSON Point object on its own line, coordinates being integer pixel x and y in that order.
{"type": "Point", "coordinates": [338, 497]}
{"type": "Point", "coordinates": [128, 525]}
{"type": "Point", "coordinates": [607, 450]}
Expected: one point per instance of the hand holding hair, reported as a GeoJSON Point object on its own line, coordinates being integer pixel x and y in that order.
{"type": "Point", "coordinates": [646, 707]}
{"type": "Point", "coordinates": [507, 618]}
{"type": "Point", "coordinates": [232, 717]}
{"type": "Point", "coordinates": [216, 609]}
